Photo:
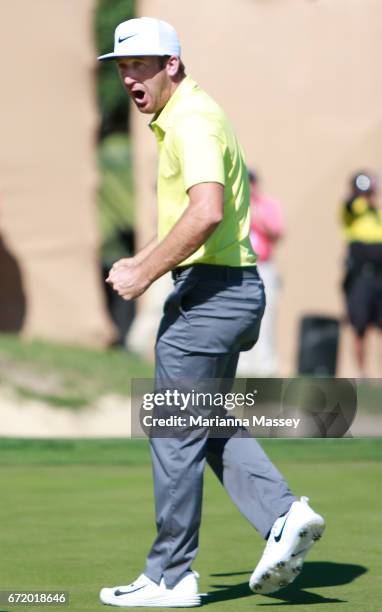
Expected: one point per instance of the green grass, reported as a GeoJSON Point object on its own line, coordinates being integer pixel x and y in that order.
{"type": "Point", "coordinates": [132, 452]}
{"type": "Point", "coordinates": [67, 376]}
{"type": "Point", "coordinates": [77, 515]}
{"type": "Point", "coordinates": [74, 377]}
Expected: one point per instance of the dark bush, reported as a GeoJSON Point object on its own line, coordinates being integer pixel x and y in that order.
{"type": "Point", "coordinates": [112, 100]}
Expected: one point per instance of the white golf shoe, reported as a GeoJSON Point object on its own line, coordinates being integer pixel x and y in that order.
{"type": "Point", "coordinates": [291, 536]}
{"type": "Point", "coordinates": [146, 593]}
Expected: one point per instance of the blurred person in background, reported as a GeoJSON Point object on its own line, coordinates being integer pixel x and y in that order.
{"type": "Point", "coordinates": [362, 223]}
{"type": "Point", "coordinates": [267, 227]}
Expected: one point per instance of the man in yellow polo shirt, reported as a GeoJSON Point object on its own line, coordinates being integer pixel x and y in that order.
{"type": "Point", "coordinates": [213, 313]}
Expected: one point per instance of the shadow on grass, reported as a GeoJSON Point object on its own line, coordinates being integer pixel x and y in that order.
{"type": "Point", "coordinates": [316, 574]}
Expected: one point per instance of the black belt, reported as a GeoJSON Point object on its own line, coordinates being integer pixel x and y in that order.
{"type": "Point", "coordinates": [212, 272]}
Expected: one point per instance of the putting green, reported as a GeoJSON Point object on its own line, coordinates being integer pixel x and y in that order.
{"type": "Point", "coordinates": [78, 516]}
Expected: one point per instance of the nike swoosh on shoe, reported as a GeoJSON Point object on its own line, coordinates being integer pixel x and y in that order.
{"type": "Point", "coordinates": [278, 537]}
{"type": "Point", "coordinates": [117, 593]}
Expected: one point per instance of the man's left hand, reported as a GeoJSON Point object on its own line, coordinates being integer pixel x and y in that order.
{"type": "Point", "coordinates": [129, 281]}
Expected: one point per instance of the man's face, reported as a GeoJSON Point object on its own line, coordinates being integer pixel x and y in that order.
{"type": "Point", "coordinates": [146, 82]}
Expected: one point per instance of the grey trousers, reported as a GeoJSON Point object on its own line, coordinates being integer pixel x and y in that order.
{"type": "Point", "coordinates": [206, 322]}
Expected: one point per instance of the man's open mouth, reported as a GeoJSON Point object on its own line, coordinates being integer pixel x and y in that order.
{"type": "Point", "coordinates": [138, 94]}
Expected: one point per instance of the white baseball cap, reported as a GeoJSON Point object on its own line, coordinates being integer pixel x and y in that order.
{"type": "Point", "coordinates": [143, 36]}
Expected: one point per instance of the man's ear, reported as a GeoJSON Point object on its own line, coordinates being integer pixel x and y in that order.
{"type": "Point", "coordinates": [172, 66]}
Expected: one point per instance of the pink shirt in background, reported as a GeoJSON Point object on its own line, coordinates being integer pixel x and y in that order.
{"type": "Point", "coordinates": [267, 225]}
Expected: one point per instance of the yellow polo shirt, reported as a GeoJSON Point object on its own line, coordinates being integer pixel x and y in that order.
{"type": "Point", "coordinates": [197, 145]}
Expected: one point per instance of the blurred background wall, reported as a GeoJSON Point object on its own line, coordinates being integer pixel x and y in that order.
{"type": "Point", "coordinates": [301, 83]}
{"type": "Point", "coordinates": [50, 278]}
{"type": "Point", "coordinates": [300, 80]}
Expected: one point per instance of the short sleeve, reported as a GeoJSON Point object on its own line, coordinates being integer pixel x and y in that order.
{"type": "Point", "coordinates": [200, 151]}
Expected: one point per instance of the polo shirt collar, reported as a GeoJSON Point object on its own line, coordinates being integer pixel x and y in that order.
{"type": "Point", "coordinates": [162, 119]}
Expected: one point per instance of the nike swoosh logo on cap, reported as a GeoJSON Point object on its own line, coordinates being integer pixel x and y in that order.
{"type": "Point", "coordinates": [117, 593]}
{"type": "Point", "coordinates": [278, 537]}
{"type": "Point", "coordinates": [121, 40]}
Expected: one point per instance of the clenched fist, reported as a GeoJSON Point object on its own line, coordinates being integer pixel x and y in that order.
{"type": "Point", "coordinates": [128, 278]}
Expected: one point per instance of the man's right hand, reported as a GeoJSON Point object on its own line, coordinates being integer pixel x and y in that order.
{"type": "Point", "coordinates": [129, 279]}
{"type": "Point", "coordinates": [126, 262]}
